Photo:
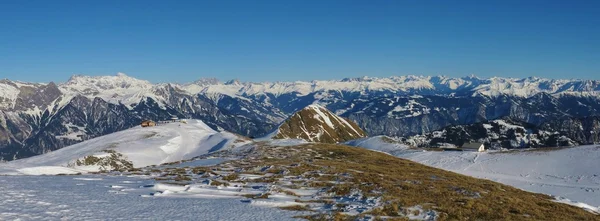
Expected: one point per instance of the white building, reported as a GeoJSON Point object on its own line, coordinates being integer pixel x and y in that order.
{"type": "Point", "coordinates": [479, 147]}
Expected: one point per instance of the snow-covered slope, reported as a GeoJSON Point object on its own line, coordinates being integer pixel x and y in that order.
{"type": "Point", "coordinates": [380, 143]}
{"type": "Point", "coordinates": [570, 173]}
{"type": "Point", "coordinates": [141, 146]}
{"type": "Point", "coordinates": [315, 123]}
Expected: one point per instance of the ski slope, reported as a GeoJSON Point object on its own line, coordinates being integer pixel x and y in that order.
{"type": "Point", "coordinates": [143, 146]}
{"type": "Point", "coordinates": [570, 174]}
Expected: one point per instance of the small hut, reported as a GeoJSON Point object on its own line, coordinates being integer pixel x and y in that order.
{"type": "Point", "coordinates": [148, 123]}
{"type": "Point", "coordinates": [479, 147]}
{"type": "Point", "coordinates": [174, 119]}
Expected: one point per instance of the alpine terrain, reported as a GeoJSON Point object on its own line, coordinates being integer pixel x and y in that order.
{"type": "Point", "coordinates": [315, 123]}
{"type": "Point", "coordinates": [37, 118]}
{"type": "Point", "coordinates": [186, 170]}
{"type": "Point", "coordinates": [567, 173]}
{"type": "Point", "coordinates": [128, 149]}
{"type": "Point", "coordinates": [496, 134]}
{"type": "Point", "coordinates": [257, 111]}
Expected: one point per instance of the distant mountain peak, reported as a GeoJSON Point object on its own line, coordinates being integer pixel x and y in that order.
{"type": "Point", "coordinates": [315, 123]}
{"type": "Point", "coordinates": [233, 82]}
{"type": "Point", "coordinates": [472, 76]}
{"type": "Point", "coordinates": [207, 81]}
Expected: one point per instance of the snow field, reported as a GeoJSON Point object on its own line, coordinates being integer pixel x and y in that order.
{"type": "Point", "coordinates": [114, 198]}
{"type": "Point", "coordinates": [142, 146]}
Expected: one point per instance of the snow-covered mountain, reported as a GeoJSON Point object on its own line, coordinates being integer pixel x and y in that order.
{"type": "Point", "coordinates": [131, 148]}
{"type": "Point", "coordinates": [39, 117]}
{"type": "Point", "coordinates": [315, 123]}
{"type": "Point", "coordinates": [495, 134]}
{"type": "Point", "coordinates": [407, 85]}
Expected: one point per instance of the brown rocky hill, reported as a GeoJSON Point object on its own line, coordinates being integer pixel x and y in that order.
{"type": "Point", "coordinates": [315, 123]}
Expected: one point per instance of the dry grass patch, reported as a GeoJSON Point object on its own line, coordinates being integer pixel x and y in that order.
{"type": "Point", "coordinates": [296, 208]}
{"type": "Point", "coordinates": [231, 177]}
{"type": "Point", "coordinates": [218, 183]}
{"type": "Point", "coordinates": [405, 184]}
{"type": "Point", "coordinates": [257, 196]}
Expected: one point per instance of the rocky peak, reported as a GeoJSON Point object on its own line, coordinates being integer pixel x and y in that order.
{"type": "Point", "coordinates": [315, 123]}
{"type": "Point", "coordinates": [39, 97]}
{"type": "Point", "coordinates": [233, 82]}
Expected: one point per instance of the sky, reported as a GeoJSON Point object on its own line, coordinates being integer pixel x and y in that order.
{"type": "Point", "coordinates": [181, 41]}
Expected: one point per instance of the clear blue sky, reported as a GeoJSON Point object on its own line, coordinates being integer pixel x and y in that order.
{"type": "Point", "coordinates": [181, 41]}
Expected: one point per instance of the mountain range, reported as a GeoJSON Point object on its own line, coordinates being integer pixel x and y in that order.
{"type": "Point", "coordinates": [36, 118]}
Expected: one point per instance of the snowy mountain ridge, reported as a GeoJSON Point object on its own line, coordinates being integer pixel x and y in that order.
{"type": "Point", "coordinates": [126, 89]}
{"type": "Point", "coordinates": [35, 117]}
{"type": "Point", "coordinates": [411, 84]}
{"type": "Point", "coordinates": [137, 146]}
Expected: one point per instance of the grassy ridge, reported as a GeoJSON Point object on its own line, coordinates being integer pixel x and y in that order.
{"type": "Point", "coordinates": [402, 188]}
{"type": "Point", "coordinates": [405, 184]}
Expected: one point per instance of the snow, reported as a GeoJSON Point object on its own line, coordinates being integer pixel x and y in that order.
{"type": "Point", "coordinates": [422, 214]}
{"type": "Point", "coordinates": [116, 198]}
{"type": "Point", "coordinates": [314, 133]}
{"type": "Point", "coordinates": [270, 135]}
{"type": "Point", "coordinates": [491, 87]}
{"type": "Point", "coordinates": [43, 170]}
{"type": "Point", "coordinates": [8, 95]}
{"type": "Point", "coordinates": [507, 125]}
{"type": "Point", "coordinates": [587, 207]}
{"type": "Point", "coordinates": [326, 116]}
{"type": "Point", "coordinates": [74, 132]}
{"type": "Point", "coordinates": [127, 90]}
{"type": "Point", "coordinates": [321, 116]}
{"type": "Point", "coordinates": [114, 89]}
{"type": "Point", "coordinates": [198, 163]}
{"type": "Point", "coordinates": [411, 109]}
{"type": "Point", "coordinates": [525, 87]}
{"type": "Point", "coordinates": [569, 173]}
{"type": "Point", "coordinates": [10, 90]}
{"type": "Point", "coordinates": [380, 143]}
{"type": "Point", "coordinates": [142, 146]}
